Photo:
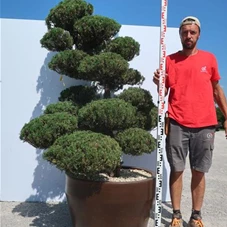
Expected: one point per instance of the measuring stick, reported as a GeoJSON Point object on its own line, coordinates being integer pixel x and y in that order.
{"type": "Point", "coordinates": [161, 113]}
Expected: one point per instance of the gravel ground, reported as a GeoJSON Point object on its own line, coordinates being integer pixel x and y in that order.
{"type": "Point", "coordinates": [14, 214]}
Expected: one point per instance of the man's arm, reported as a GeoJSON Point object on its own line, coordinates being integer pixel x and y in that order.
{"type": "Point", "coordinates": [156, 81]}
{"type": "Point", "coordinates": [220, 99]}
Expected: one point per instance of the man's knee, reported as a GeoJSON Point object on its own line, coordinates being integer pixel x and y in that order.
{"type": "Point", "coordinates": [197, 173]}
{"type": "Point", "coordinates": [175, 175]}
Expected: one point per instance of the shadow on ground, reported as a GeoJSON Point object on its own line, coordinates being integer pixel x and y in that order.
{"type": "Point", "coordinates": [166, 215]}
{"type": "Point", "coordinates": [58, 215]}
{"type": "Point", "coordinates": [45, 214]}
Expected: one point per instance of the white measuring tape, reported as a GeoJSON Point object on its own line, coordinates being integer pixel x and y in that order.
{"type": "Point", "coordinates": [161, 115]}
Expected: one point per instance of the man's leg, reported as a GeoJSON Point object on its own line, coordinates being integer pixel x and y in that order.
{"type": "Point", "coordinates": [177, 143]}
{"type": "Point", "coordinates": [197, 189]}
{"type": "Point", "coordinates": [201, 152]}
{"type": "Point", "coordinates": [176, 183]}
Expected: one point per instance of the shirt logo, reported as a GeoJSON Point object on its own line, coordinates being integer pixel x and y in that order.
{"type": "Point", "coordinates": [204, 69]}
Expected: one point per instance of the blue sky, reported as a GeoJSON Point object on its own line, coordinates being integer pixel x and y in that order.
{"type": "Point", "coordinates": [212, 15]}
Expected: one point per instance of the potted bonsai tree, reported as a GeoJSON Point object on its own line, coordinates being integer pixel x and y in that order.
{"type": "Point", "coordinates": [88, 130]}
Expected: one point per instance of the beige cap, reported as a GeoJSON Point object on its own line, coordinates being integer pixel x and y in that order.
{"type": "Point", "coordinates": [190, 20]}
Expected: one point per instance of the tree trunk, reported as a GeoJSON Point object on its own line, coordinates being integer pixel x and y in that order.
{"type": "Point", "coordinates": [107, 92]}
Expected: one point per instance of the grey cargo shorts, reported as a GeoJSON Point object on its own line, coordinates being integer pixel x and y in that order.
{"type": "Point", "coordinates": [199, 142]}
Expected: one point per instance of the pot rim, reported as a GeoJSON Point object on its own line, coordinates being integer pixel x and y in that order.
{"type": "Point", "coordinates": [115, 182]}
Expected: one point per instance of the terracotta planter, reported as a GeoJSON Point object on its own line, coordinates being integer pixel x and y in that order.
{"type": "Point", "coordinates": [110, 204]}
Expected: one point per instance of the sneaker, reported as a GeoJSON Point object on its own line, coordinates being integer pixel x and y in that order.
{"type": "Point", "coordinates": [195, 222]}
{"type": "Point", "coordinates": [176, 220]}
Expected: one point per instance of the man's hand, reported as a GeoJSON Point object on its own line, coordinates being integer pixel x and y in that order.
{"type": "Point", "coordinates": [220, 99]}
{"type": "Point", "coordinates": [156, 78]}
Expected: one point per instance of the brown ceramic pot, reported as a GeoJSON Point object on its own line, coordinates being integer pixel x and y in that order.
{"type": "Point", "coordinates": [110, 204]}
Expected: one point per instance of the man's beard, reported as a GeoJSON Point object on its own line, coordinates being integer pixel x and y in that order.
{"type": "Point", "coordinates": [188, 46]}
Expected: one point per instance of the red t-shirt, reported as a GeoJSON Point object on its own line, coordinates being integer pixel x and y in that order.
{"type": "Point", "coordinates": [191, 101]}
